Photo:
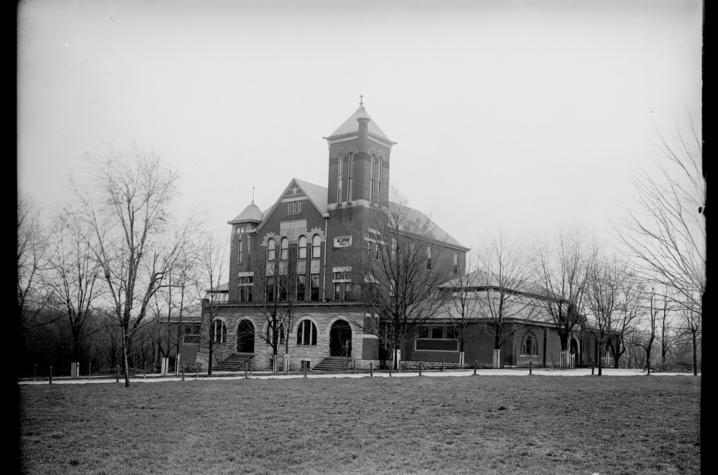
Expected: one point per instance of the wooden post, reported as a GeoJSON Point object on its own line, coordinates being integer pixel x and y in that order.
{"type": "Point", "coordinates": [145, 376]}
{"type": "Point", "coordinates": [89, 370]}
{"type": "Point", "coordinates": [391, 366]}
{"type": "Point", "coordinates": [420, 365]}
{"type": "Point", "coordinates": [354, 364]}
{"type": "Point", "coordinates": [531, 367]}
{"type": "Point", "coordinates": [196, 370]}
{"type": "Point", "coordinates": [182, 370]}
{"type": "Point", "coordinates": [443, 362]}
{"type": "Point", "coordinates": [50, 374]}
{"type": "Point", "coordinates": [304, 367]}
{"type": "Point", "coordinates": [245, 369]}
{"type": "Point", "coordinates": [592, 370]}
{"type": "Point", "coordinates": [371, 369]}
{"type": "Point", "coordinates": [476, 363]}
{"type": "Point", "coordinates": [117, 374]}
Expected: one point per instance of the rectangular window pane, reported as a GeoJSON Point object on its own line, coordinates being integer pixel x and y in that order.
{"type": "Point", "coordinates": [423, 332]}
{"type": "Point", "coordinates": [437, 332]}
{"type": "Point", "coordinates": [451, 332]}
{"type": "Point", "coordinates": [315, 287]}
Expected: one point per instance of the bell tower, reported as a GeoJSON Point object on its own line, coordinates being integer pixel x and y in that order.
{"type": "Point", "coordinates": [358, 163]}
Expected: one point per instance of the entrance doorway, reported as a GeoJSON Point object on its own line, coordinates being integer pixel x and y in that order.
{"type": "Point", "coordinates": [245, 337]}
{"type": "Point", "coordinates": [575, 354]}
{"type": "Point", "coordinates": [340, 339]}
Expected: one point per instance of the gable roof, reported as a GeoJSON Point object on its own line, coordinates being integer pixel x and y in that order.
{"type": "Point", "coordinates": [351, 126]}
{"type": "Point", "coordinates": [316, 194]}
{"type": "Point", "coordinates": [429, 228]}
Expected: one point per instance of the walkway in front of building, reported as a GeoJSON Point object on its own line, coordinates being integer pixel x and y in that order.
{"type": "Point", "coordinates": [156, 378]}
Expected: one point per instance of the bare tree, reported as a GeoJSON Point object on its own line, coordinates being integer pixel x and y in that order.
{"type": "Point", "coordinates": [401, 275]}
{"type": "Point", "coordinates": [129, 216]}
{"type": "Point", "coordinates": [212, 261]}
{"type": "Point", "coordinates": [655, 306]}
{"type": "Point", "coordinates": [628, 312]}
{"type": "Point", "coordinates": [562, 270]}
{"type": "Point", "coordinates": [459, 297]}
{"type": "Point", "coordinates": [691, 326]}
{"type": "Point", "coordinates": [502, 285]}
{"type": "Point", "coordinates": [667, 233]}
{"type": "Point", "coordinates": [33, 261]}
{"type": "Point", "coordinates": [277, 279]}
{"type": "Point", "coordinates": [75, 271]}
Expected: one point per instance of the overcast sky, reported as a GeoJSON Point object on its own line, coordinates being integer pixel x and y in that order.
{"type": "Point", "coordinates": [521, 116]}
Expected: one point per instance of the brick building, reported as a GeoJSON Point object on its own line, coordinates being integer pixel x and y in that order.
{"type": "Point", "coordinates": [311, 237]}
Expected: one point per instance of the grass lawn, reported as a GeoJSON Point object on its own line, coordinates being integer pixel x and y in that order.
{"type": "Point", "coordinates": [508, 424]}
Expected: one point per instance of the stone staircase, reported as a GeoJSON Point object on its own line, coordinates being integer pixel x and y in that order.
{"type": "Point", "coordinates": [334, 363]}
{"type": "Point", "coordinates": [235, 362]}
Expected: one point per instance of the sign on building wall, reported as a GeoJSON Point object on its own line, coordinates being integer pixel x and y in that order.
{"type": "Point", "coordinates": [315, 267]}
{"type": "Point", "coordinates": [342, 241]}
{"type": "Point", "coordinates": [302, 266]}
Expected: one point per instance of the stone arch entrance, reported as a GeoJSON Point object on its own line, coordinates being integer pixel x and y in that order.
{"type": "Point", "coordinates": [575, 354]}
{"type": "Point", "coordinates": [340, 339]}
{"type": "Point", "coordinates": [245, 337]}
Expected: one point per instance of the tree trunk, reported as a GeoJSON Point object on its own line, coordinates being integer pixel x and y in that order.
{"type": "Point", "coordinates": [695, 354]}
{"type": "Point", "coordinates": [125, 359]}
{"type": "Point", "coordinates": [600, 358]}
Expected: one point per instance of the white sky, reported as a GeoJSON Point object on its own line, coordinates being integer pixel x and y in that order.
{"type": "Point", "coordinates": [521, 116]}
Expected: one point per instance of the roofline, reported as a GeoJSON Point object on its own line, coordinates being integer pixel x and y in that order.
{"type": "Point", "coordinates": [279, 200]}
{"type": "Point", "coordinates": [351, 135]}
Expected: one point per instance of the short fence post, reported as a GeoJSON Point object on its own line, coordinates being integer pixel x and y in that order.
{"type": "Point", "coordinates": [443, 362]}
{"type": "Point", "coordinates": [304, 367]}
{"type": "Point", "coordinates": [182, 369]}
{"type": "Point", "coordinates": [89, 370]}
{"type": "Point", "coordinates": [391, 366]}
{"type": "Point", "coordinates": [50, 382]}
{"type": "Point", "coordinates": [245, 369]}
{"type": "Point", "coordinates": [145, 376]}
{"type": "Point", "coordinates": [531, 367]}
{"type": "Point", "coordinates": [371, 369]}
{"type": "Point", "coordinates": [420, 365]}
{"type": "Point", "coordinates": [354, 364]}
{"type": "Point", "coordinates": [196, 370]}
{"type": "Point", "coordinates": [117, 374]}
{"type": "Point", "coordinates": [476, 363]}
{"type": "Point", "coordinates": [592, 370]}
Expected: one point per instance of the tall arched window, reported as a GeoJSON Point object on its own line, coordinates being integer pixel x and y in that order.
{"type": "Point", "coordinates": [270, 249]}
{"type": "Point", "coordinates": [316, 246]}
{"type": "Point", "coordinates": [302, 247]}
{"type": "Point", "coordinates": [284, 248]}
{"type": "Point", "coordinates": [529, 346]}
{"type": "Point", "coordinates": [219, 332]}
{"type": "Point", "coordinates": [306, 333]}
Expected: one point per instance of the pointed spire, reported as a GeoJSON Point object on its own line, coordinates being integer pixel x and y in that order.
{"type": "Point", "coordinates": [361, 100]}
{"type": "Point", "coordinates": [252, 194]}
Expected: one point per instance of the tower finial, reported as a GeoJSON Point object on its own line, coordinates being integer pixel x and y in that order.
{"type": "Point", "coordinates": [252, 194]}
{"type": "Point", "coordinates": [361, 100]}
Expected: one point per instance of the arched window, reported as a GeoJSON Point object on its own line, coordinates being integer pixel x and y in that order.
{"type": "Point", "coordinates": [270, 249]}
{"type": "Point", "coordinates": [306, 333]}
{"type": "Point", "coordinates": [316, 246]}
{"type": "Point", "coordinates": [302, 247]}
{"type": "Point", "coordinates": [219, 332]}
{"type": "Point", "coordinates": [284, 249]}
{"type": "Point", "coordinates": [529, 346]}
